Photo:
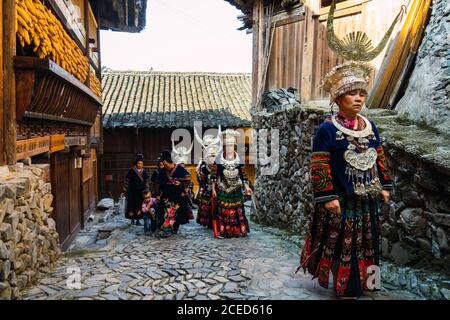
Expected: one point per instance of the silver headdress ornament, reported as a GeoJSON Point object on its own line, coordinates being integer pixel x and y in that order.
{"type": "Point", "coordinates": [230, 137]}
{"type": "Point", "coordinates": [181, 154]}
{"type": "Point", "coordinates": [356, 47]}
{"type": "Point", "coordinates": [208, 139]}
{"type": "Point", "coordinates": [347, 77]}
{"type": "Point", "coordinates": [212, 145]}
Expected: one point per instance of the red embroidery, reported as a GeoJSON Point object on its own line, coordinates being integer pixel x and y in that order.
{"type": "Point", "coordinates": [342, 280]}
{"type": "Point", "coordinates": [321, 172]}
{"type": "Point", "coordinates": [323, 272]}
{"type": "Point", "coordinates": [381, 160]}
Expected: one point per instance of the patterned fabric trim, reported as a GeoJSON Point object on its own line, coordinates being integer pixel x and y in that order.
{"type": "Point", "coordinates": [213, 175]}
{"type": "Point", "coordinates": [385, 175]}
{"type": "Point", "coordinates": [321, 174]}
{"type": "Point", "coordinates": [326, 198]}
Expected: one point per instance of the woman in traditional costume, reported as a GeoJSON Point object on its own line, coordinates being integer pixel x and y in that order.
{"type": "Point", "coordinates": [349, 177]}
{"type": "Point", "coordinates": [229, 186]}
{"type": "Point", "coordinates": [348, 172]}
{"type": "Point", "coordinates": [211, 148]}
{"type": "Point", "coordinates": [204, 195]}
{"type": "Point", "coordinates": [136, 181]}
{"type": "Point", "coordinates": [172, 181]}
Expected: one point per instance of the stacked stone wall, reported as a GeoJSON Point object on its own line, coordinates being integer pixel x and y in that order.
{"type": "Point", "coordinates": [29, 243]}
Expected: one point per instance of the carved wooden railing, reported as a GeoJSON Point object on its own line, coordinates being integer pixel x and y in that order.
{"type": "Point", "coordinates": [46, 91]}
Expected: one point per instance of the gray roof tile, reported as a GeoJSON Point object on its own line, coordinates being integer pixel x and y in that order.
{"type": "Point", "coordinates": [175, 99]}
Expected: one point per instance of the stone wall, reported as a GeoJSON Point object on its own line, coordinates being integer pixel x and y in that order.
{"type": "Point", "coordinates": [28, 237]}
{"type": "Point", "coordinates": [418, 229]}
{"type": "Point", "coordinates": [283, 199]}
{"type": "Point", "coordinates": [427, 98]}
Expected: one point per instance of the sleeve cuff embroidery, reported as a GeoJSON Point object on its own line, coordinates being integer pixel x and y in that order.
{"type": "Point", "coordinates": [321, 174]}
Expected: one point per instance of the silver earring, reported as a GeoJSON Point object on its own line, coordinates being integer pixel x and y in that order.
{"type": "Point", "coordinates": [332, 103]}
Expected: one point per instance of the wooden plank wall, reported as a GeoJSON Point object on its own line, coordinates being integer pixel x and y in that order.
{"type": "Point", "coordinates": [89, 185]}
{"type": "Point", "coordinates": [286, 58]}
{"type": "Point", "coordinates": [300, 56]}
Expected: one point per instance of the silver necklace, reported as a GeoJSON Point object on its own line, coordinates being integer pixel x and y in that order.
{"type": "Point", "coordinates": [356, 134]}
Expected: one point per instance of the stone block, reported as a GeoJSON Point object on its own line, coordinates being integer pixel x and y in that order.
{"type": "Point", "coordinates": [7, 191]}
{"type": "Point", "coordinates": [5, 269]}
{"type": "Point", "coordinates": [5, 291]}
{"type": "Point", "coordinates": [4, 171]}
{"type": "Point", "coordinates": [442, 219]}
{"type": "Point", "coordinates": [400, 254]}
{"type": "Point", "coordinates": [6, 231]}
{"type": "Point", "coordinates": [48, 200]}
{"type": "Point", "coordinates": [46, 188]}
{"type": "Point", "coordinates": [13, 219]}
{"type": "Point", "coordinates": [4, 251]}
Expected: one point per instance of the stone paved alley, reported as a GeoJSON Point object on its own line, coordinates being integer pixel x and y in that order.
{"type": "Point", "coordinates": [191, 265]}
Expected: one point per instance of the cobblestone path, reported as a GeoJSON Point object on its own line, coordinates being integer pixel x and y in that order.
{"type": "Point", "coordinates": [191, 265]}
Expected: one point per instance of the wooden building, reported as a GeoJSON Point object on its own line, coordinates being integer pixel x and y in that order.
{"type": "Point", "coordinates": [141, 110]}
{"type": "Point", "coordinates": [290, 48]}
{"type": "Point", "coordinates": [51, 93]}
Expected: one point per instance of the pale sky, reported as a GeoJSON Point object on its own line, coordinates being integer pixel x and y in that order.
{"type": "Point", "coordinates": [182, 35]}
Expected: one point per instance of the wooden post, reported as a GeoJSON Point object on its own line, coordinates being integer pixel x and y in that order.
{"type": "Point", "coordinates": [2, 145]}
{"type": "Point", "coordinates": [87, 53]}
{"type": "Point", "coordinates": [258, 52]}
{"type": "Point", "coordinates": [9, 85]}
{"type": "Point", "coordinates": [311, 8]}
{"type": "Point", "coordinates": [99, 50]}
{"type": "Point", "coordinates": [87, 83]}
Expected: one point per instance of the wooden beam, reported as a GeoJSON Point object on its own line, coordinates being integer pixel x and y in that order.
{"type": "Point", "coordinates": [290, 20]}
{"type": "Point", "coordinates": [32, 147]}
{"type": "Point", "coordinates": [9, 85]}
{"type": "Point", "coordinates": [99, 70]}
{"type": "Point", "coordinates": [75, 141]}
{"type": "Point", "coordinates": [341, 13]}
{"type": "Point", "coordinates": [87, 51]}
{"type": "Point", "coordinates": [311, 9]}
{"type": "Point", "coordinates": [2, 145]}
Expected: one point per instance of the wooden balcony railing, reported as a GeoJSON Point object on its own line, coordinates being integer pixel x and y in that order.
{"type": "Point", "coordinates": [46, 91]}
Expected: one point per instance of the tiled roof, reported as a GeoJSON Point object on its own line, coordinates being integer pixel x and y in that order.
{"type": "Point", "coordinates": [174, 99]}
{"type": "Point", "coordinates": [244, 5]}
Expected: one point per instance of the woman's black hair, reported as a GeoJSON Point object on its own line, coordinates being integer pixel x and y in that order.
{"type": "Point", "coordinates": [166, 156]}
{"type": "Point", "coordinates": [139, 157]}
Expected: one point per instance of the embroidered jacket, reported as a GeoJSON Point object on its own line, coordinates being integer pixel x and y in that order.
{"type": "Point", "coordinates": [169, 190]}
{"type": "Point", "coordinates": [328, 165]}
{"type": "Point", "coordinates": [217, 173]}
{"type": "Point", "coordinates": [135, 181]}
{"type": "Point", "coordinates": [204, 176]}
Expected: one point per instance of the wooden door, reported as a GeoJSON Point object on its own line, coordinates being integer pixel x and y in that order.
{"type": "Point", "coordinates": [60, 189]}
{"type": "Point", "coordinates": [66, 189]}
{"type": "Point", "coordinates": [74, 197]}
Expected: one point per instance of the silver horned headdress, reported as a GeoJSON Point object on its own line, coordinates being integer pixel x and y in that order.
{"type": "Point", "coordinates": [230, 137]}
{"type": "Point", "coordinates": [181, 154]}
{"type": "Point", "coordinates": [212, 145]}
{"type": "Point", "coordinates": [356, 47]}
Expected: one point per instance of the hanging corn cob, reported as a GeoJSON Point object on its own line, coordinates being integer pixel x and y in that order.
{"type": "Point", "coordinates": [95, 84]}
{"type": "Point", "coordinates": [38, 28]}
